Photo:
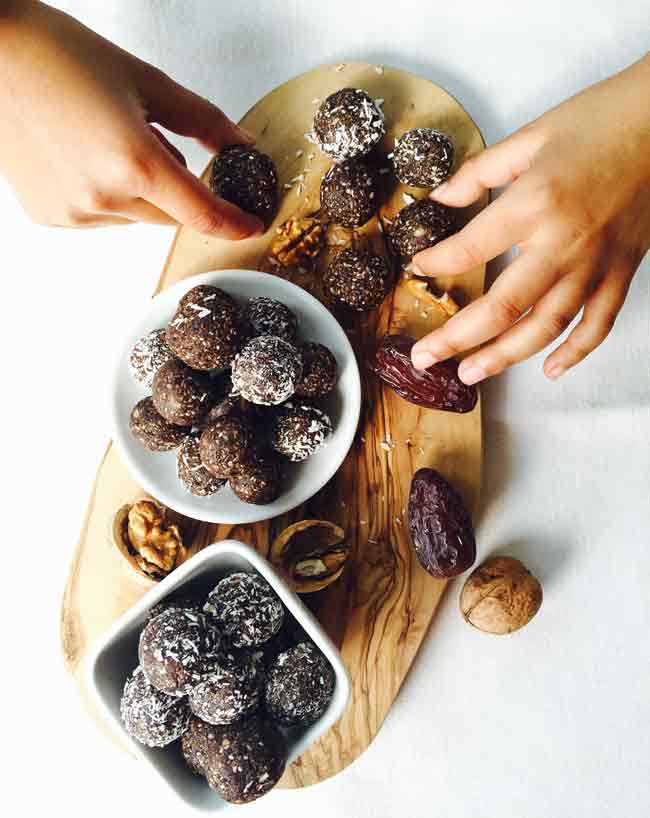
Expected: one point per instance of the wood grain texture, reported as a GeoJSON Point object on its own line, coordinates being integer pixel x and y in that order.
{"type": "Point", "coordinates": [380, 609]}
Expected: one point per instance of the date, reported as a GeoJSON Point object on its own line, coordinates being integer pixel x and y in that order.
{"type": "Point", "coordinates": [440, 526]}
{"type": "Point", "coordinates": [437, 387]}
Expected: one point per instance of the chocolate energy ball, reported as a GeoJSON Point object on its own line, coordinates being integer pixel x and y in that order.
{"type": "Point", "coordinates": [241, 762]}
{"type": "Point", "coordinates": [191, 471]}
{"type": "Point", "coordinates": [348, 124]}
{"type": "Point", "coordinates": [225, 445]}
{"type": "Point", "coordinates": [270, 317]}
{"type": "Point", "coordinates": [175, 600]}
{"type": "Point", "coordinates": [299, 685]}
{"type": "Point", "coordinates": [319, 371]}
{"type": "Point", "coordinates": [357, 279]}
{"type": "Point", "coordinates": [349, 193]}
{"type": "Point", "coordinates": [148, 355]}
{"type": "Point", "coordinates": [155, 433]}
{"type": "Point", "coordinates": [423, 157]}
{"type": "Point", "coordinates": [181, 395]}
{"type": "Point", "coordinates": [299, 430]}
{"type": "Point", "coordinates": [208, 329]}
{"type": "Point", "coordinates": [419, 225]}
{"type": "Point", "coordinates": [246, 609]}
{"type": "Point", "coordinates": [178, 649]}
{"type": "Point", "coordinates": [230, 693]}
{"type": "Point", "coordinates": [247, 178]}
{"type": "Point", "coordinates": [258, 481]}
{"type": "Point", "coordinates": [150, 716]}
{"type": "Point", "coordinates": [266, 371]}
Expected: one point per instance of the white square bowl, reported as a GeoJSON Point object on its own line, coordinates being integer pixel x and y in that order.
{"type": "Point", "coordinates": [116, 655]}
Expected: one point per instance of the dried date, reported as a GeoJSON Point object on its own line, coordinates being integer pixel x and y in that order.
{"type": "Point", "coordinates": [440, 526]}
{"type": "Point", "coordinates": [437, 387]}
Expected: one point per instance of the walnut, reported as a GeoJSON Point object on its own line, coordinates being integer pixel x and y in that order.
{"type": "Point", "coordinates": [147, 539]}
{"type": "Point", "coordinates": [297, 241]}
{"type": "Point", "coordinates": [310, 554]}
{"type": "Point", "coordinates": [500, 596]}
{"type": "Point", "coordinates": [421, 290]}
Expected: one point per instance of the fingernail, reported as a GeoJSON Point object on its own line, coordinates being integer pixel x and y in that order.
{"type": "Point", "coordinates": [555, 372]}
{"type": "Point", "coordinates": [439, 190]}
{"type": "Point", "coordinates": [472, 373]}
{"type": "Point", "coordinates": [245, 135]}
{"type": "Point", "coordinates": [422, 358]}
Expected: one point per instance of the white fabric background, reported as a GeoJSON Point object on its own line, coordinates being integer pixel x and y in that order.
{"type": "Point", "coordinates": [550, 722]}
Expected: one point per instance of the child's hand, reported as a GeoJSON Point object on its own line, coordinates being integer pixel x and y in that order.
{"type": "Point", "coordinates": [578, 206]}
{"type": "Point", "coordinates": [75, 142]}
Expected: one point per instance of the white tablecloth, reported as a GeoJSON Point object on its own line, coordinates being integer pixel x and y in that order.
{"type": "Point", "coordinates": [550, 722]}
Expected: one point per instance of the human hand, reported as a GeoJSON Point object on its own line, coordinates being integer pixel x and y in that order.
{"type": "Point", "coordinates": [577, 205]}
{"type": "Point", "coordinates": [75, 140]}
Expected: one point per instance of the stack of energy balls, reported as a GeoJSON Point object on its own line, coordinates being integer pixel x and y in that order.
{"type": "Point", "coordinates": [225, 676]}
{"type": "Point", "coordinates": [234, 391]}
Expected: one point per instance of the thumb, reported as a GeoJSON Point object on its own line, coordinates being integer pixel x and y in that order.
{"type": "Point", "coordinates": [186, 113]}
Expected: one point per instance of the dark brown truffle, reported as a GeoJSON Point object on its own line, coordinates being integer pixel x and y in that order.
{"type": "Point", "coordinates": [419, 225]}
{"type": "Point", "coordinates": [178, 649]}
{"type": "Point", "coordinates": [148, 355]}
{"type": "Point", "coordinates": [181, 395]}
{"type": "Point", "coordinates": [225, 445]}
{"type": "Point", "coordinates": [208, 329]}
{"type": "Point", "coordinates": [349, 193]}
{"type": "Point", "coordinates": [191, 471]}
{"type": "Point", "coordinates": [423, 157]}
{"type": "Point", "coordinates": [230, 693]}
{"type": "Point", "coordinates": [319, 371]}
{"type": "Point", "coordinates": [241, 762]}
{"type": "Point", "coordinates": [299, 430]}
{"type": "Point", "coordinates": [270, 317]}
{"type": "Point", "coordinates": [348, 124]}
{"type": "Point", "coordinates": [247, 178]}
{"type": "Point", "coordinates": [357, 279]}
{"type": "Point", "coordinates": [267, 370]}
{"type": "Point", "coordinates": [299, 685]}
{"type": "Point", "coordinates": [246, 609]}
{"type": "Point", "coordinates": [152, 430]}
{"type": "Point", "coordinates": [258, 481]}
{"type": "Point", "coordinates": [150, 716]}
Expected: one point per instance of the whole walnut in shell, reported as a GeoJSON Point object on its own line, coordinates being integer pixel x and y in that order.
{"type": "Point", "coordinates": [500, 596]}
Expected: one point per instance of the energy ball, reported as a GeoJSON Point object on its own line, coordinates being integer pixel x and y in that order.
{"type": "Point", "coordinates": [148, 355]}
{"type": "Point", "coordinates": [225, 445]}
{"type": "Point", "coordinates": [348, 124]}
{"type": "Point", "coordinates": [319, 371]}
{"type": "Point", "coordinates": [258, 481]}
{"type": "Point", "coordinates": [191, 471]}
{"type": "Point", "coordinates": [151, 429]}
{"type": "Point", "coordinates": [299, 685]}
{"type": "Point", "coordinates": [230, 693]}
{"type": "Point", "coordinates": [349, 193]}
{"type": "Point", "coordinates": [247, 178]}
{"type": "Point", "coordinates": [357, 279]}
{"type": "Point", "coordinates": [299, 430]}
{"type": "Point", "coordinates": [208, 329]}
{"type": "Point", "coordinates": [246, 609]}
{"type": "Point", "coordinates": [241, 762]}
{"type": "Point", "coordinates": [178, 649]}
{"type": "Point", "coordinates": [175, 600]}
{"type": "Point", "coordinates": [270, 317]}
{"type": "Point", "coordinates": [423, 157]}
{"type": "Point", "coordinates": [181, 395]}
{"type": "Point", "coordinates": [150, 716]}
{"type": "Point", "coordinates": [266, 371]}
{"type": "Point", "coordinates": [419, 225]}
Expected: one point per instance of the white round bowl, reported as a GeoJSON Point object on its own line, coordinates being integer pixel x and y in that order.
{"type": "Point", "coordinates": [156, 471]}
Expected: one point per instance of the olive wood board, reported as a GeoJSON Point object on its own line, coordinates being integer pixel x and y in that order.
{"type": "Point", "coordinates": [380, 609]}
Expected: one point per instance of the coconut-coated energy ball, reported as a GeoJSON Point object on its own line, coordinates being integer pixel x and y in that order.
{"type": "Point", "coordinates": [349, 193]}
{"type": "Point", "coordinates": [357, 279]}
{"type": "Point", "coordinates": [299, 430]}
{"type": "Point", "coordinates": [266, 371]}
{"type": "Point", "coordinates": [230, 693]}
{"type": "Point", "coordinates": [198, 480]}
{"type": "Point", "coordinates": [270, 317]}
{"type": "Point", "coordinates": [246, 609]}
{"type": "Point", "coordinates": [419, 225]}
{"type": "Point", "coordinates": [423, 157]}
{"type": "Point", "coordinates": [150, 716]}
{"type": "Point", "coordinates": [148, 355]}
{"type": "Point", "coordinates": [349, 123]}
{"type": "Point", "coordinates": [299, 685]}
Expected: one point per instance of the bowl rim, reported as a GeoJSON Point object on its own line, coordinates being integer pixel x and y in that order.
{"type": "Point", "coordinates": [250, 513]}
{"type": "Point", "coordinates": [176, 580]}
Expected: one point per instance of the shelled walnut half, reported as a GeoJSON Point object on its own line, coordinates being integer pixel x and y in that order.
{"type": "Point", "coordinates": [298, 241]}
{"type": "Point", "coordinates": [148, 540]}
{"type": "Point", "coordinates": [422, 291]}
{"type": "Point", "coordinates": [310, 554]}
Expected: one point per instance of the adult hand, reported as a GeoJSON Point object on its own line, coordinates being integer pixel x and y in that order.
{"type": "Point", "coordinates": [577, 205]}
{"type": "Point", "coordinates": [76, 142]}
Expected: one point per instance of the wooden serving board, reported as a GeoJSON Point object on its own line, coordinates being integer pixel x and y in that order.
{"type": "Point", "coordinates": [380, 610]}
